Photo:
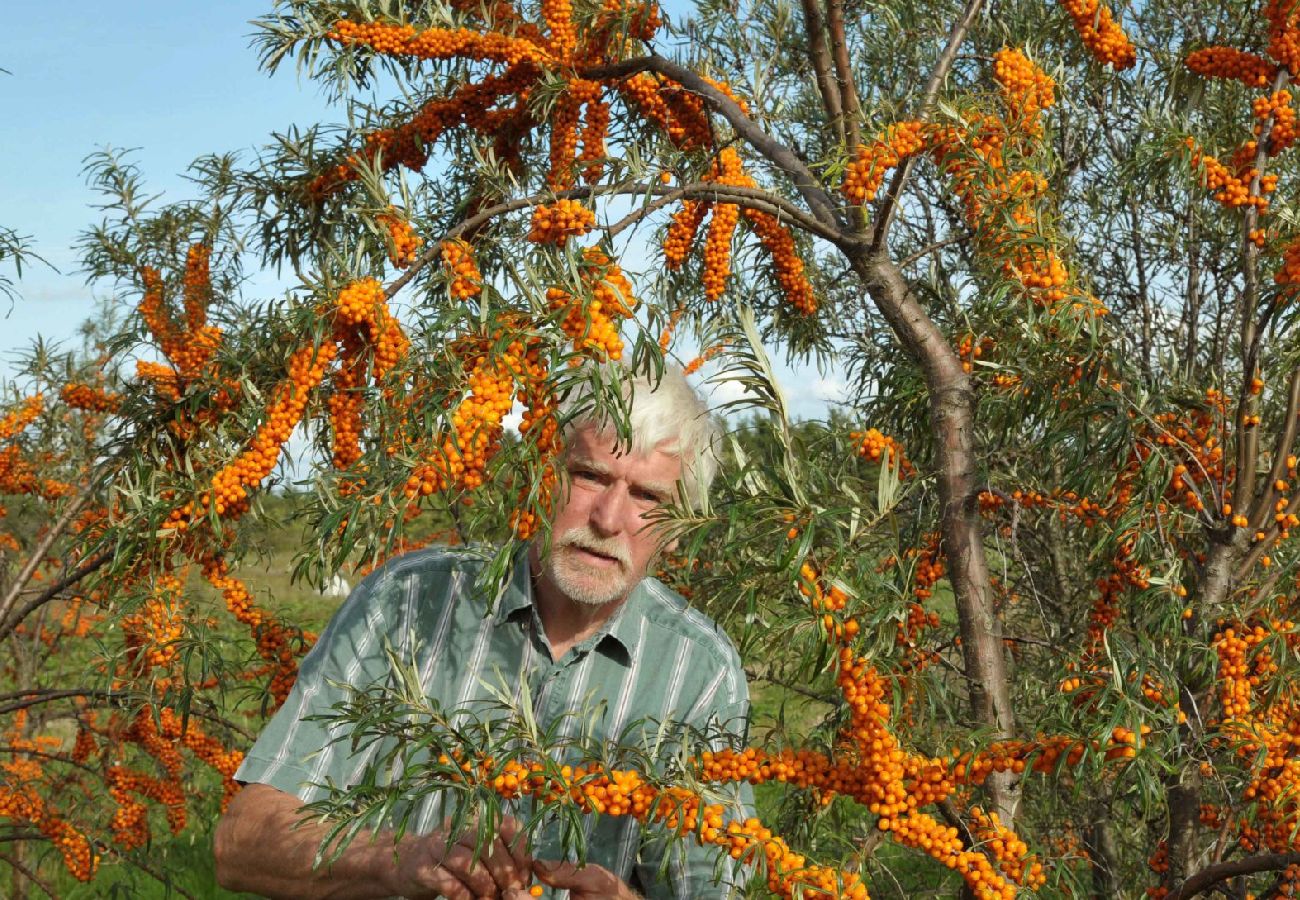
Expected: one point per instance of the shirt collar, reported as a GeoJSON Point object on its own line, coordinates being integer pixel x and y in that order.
{"type": "Point", "coordinates": [519, 592]}
{"type": "Point", "coordinates": [617, 638]}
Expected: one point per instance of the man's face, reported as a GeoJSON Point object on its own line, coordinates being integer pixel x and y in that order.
{"type": "Point", "coordinates": [601, 539]}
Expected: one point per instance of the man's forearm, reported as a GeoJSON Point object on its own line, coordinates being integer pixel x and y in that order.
{"type": "Point", "coordinates": [264, 845]}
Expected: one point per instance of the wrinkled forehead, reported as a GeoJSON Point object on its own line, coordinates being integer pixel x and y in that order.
{"type": "Point", "coordinates": [590, 440]}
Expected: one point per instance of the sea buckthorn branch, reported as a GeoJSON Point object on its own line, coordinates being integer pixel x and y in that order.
{"type": "Point", "coordinates": [1263, 503]}
{"type": "Point", "coordinates": [1247, 189]}
{"type": "Point", "coordinates": [952, 412]}
{"type": "Point", "coordinates": [130, 824]}
{"type": "Point", "coordinates": [761, 202]}
{"type": "Point", "coordinates": [409, 144]}
{"type": "Point", "coordinates": [276, 643]}
{"type": "Point", "coordinates": [925, 105]}
{"type": "Point", "coordinates": [1252, 332]}
{"type": "Point", "coordinates": [20, 801]}
{"type": "Point", "coordinates": [1218, 873]}
{"type": "Point", "coordinates": [188, 349]}
{"type": "Point", "coordinates": [1228, 62]}
{"type": "Point", "coordinates": [1255, 721]}
{"type": "Point", "coordinates": [819, 202]}
{"type": "Point", "coordinates": [86, 569]}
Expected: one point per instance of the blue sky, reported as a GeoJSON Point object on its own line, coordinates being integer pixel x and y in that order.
{"type": "Point", "coordinates": [174, 79]}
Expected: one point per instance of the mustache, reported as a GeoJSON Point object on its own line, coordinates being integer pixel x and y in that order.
{"type": "Point", "coordinates": [583, 538]}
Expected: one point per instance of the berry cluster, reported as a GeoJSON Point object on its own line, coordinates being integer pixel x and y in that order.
{"type": "Point", "coordinates": [1231, 63]}
{"type": "Point", "coordinates": [465, 279]}
{"type": "Point", "coordinates": [563, 219]}
{"type": "Point", "coordinates": [1101, 34]}
{"type": "Point", "coordinates": [681, 233]}
{"type": "Point", "coordinates": [1027, 88]}
{"type": "Point", "coordinates": [1284, 34]}
{"type": "Point", "coordinates": [872, 162]}
{"type": "Point", "coordinates": [878, 447]}
{"type": "Point", "coordinates": [727, 170]}
{"type": "Point", "coordinates": [152, 632]}
{"type": "Point", "coordinates": [461, 458]}
{"type": "Point", "coordinates": [89, 398]}
{"type": "Point", "coordinates": [403, 242]}
{"type": "Point", "coordinates": [231, 485]}
{"type": "Point", "coordinates": [1275, 112]}
{"type": "Point", "coordinates": [188, 348]}
{"type": "Point", "coordinates": [1232, 184]}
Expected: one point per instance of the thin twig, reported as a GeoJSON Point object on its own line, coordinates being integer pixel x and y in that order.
{"type": "Point", "coordinates": [8, 836]}
{"type": "Point", "coordinates": [26, 872]}
{"type": "Point", "coordinates": [1252, 332]}
{"type": "Point", "coordinates": [1268, 496]}
{"type": "Point", "coordinates": [53, 757]}
{"type": "Point", "coordinates": [798, 689]}
{"type": "Point", "coordinates": [938, 245]}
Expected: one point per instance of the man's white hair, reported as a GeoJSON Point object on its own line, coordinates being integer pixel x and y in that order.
{"type": "Point", "coordinates": [667, 414]}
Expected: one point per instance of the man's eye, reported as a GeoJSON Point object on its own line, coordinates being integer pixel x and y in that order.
{"type": "Point", "coordinates": [584, 475]}
{"type": "Point", "coordinates": [651, 497]}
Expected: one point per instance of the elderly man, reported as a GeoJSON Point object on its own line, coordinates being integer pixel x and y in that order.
{"type": "Point", "coordinates": [580, 625]}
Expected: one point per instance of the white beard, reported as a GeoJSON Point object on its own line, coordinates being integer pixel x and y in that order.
{"type": "Point", "coordinates": [580, 582]}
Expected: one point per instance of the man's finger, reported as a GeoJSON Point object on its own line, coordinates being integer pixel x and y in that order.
{"type": "Point", "coordinates": [502, 867]}
{"type": "Point", "coordinates": [516, 841]}
{"type": "Point", "coordinates": [432, 877]}
{"type": "Point", "coordinates": [569, 875]}
{"type": "Point", "coordinates": [460, 862]}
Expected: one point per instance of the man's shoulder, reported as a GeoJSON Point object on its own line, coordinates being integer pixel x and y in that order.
{"type": "Point", "coordinates": [668, 610]}
{"type": "Point", "coordinates": [441, 559]}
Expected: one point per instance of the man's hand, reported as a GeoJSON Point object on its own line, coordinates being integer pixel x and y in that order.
{"type": "Point", "coordinates": [428, 867]}
{"type": "Point", "coordinates": [590, 882]}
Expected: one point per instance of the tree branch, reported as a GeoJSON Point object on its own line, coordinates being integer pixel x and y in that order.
{"type": "Point", "coordinates": [1212, 875]}
{"type": "Point", "coordinates": [86, 568]}
{"type": "Point", "coordinates": [23, 870]}
{"type": "Point", "coordinates": [852, 110]}
{"type": "Point", "coordinates": [814, 24]}
{"type": "Point", "coordinates": [37, 555]}
{"type": "Point", "coordinates": [1258, 514]}
{"type": "Point", "coordinates": [937, 77]}
{"type": "Point", "coordinates": [747, 197]}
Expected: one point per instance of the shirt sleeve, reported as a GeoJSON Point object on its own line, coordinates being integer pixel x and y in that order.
{"type": "Point", "coordinates": [301, 756]}
{"type": "Point", "coordinates": [683, 869]}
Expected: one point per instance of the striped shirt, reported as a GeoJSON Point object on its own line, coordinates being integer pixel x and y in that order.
{"type": "Point", "coordinates": [655, 659]}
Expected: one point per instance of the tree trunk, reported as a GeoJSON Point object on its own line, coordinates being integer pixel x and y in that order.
{"type": "Point", "coordinates": [952, 416]}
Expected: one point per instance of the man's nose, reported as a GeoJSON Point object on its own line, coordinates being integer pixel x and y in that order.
{"type": "Point", "coordinates": [608, 509]}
